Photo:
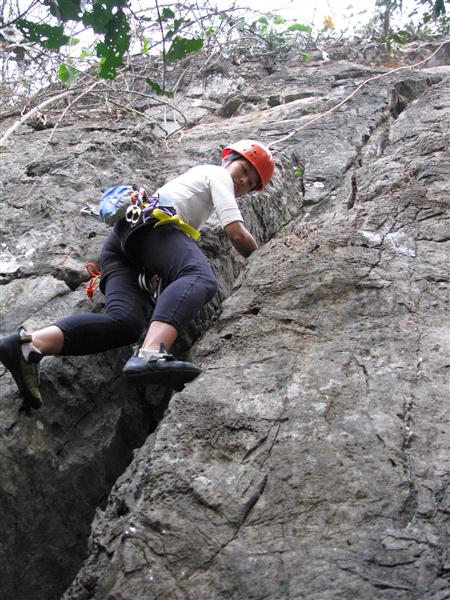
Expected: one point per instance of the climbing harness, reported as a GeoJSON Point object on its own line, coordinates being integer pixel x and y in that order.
{"type": "Point", "coordinates": [165, 218]}
{"type": "Point", "coordinates": [150, 209]}
{"type": "Point", "coordinates": [140, 208]}
{"type": "Point", "coordinates": [135, 206]}
{"type": "Point", "coordinates": [148, 282]}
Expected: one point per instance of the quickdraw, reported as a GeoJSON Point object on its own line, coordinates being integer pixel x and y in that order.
{"type": "Point", "coordinates": [138, 201]}
{"type": "Point", "coordinates": [133, 214]}
{"type": "Point", "coordinates": [140, 205]}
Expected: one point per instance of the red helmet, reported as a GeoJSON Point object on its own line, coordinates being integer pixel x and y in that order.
{"type": "Point", "coordinates": [257, 155]}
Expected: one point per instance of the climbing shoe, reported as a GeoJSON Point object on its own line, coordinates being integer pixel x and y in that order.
{"type": "Point", "coordinates": [160, 367]}
{"type": "Point", "coordinates": [26, 374]}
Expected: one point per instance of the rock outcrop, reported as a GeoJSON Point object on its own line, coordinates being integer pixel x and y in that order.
{"type": "Point", "coordinates": [309, 460]}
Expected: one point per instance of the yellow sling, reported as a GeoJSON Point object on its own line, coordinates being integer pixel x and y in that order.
{"type": "Point", "coordinates": [164, 218]}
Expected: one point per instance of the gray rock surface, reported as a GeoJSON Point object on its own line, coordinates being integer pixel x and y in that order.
{"type": "Point", "coordinates": [310, 459]}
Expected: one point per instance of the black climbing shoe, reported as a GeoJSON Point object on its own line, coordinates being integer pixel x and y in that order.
{"type": "Point", "coordinates": [26, 375]}
{"type": "Point", "coordinates": [161, 367]}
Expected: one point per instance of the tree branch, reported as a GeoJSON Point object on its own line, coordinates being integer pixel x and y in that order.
{"type": "Point", "coordinates": [163, 41]}
{"type": "Point", "coordinates": [32, 112]}
{"type": "Point", "coordinates": [64, 112]}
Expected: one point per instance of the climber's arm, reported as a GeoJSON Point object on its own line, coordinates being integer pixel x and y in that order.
{"type": "Point", "coordinates": [241, 238]}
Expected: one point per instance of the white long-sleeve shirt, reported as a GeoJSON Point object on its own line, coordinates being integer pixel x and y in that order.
{"type": "Point", "coordinates": [199, 192]}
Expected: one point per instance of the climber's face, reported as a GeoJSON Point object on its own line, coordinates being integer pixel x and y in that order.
{"type": "Point", "coordinates": [244, 175]}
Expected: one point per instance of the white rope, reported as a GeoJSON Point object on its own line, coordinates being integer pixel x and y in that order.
{"type": "Point", "coordinates": [327, 112]}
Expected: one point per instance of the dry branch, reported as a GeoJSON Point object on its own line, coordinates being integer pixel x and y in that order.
{"type": "Point", "coordinates": [32, 112]}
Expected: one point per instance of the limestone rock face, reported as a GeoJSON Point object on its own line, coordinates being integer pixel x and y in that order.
{"type": "Point", "coordinates": [309, 460]}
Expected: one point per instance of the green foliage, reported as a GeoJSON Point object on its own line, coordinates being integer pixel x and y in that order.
{"type": "Point", "coordinates": [85, 53]}
{"type": "Point", "coordinates": [154, 85]}
{"type": "Point", "coordinates": [181, 47]}
{"type": "Point", "coordinates": [145, 46]}
{"type": "Point", "coordinates": [105, 14]}
{"type": "Point", "coordinates": [108, 19]}
{"type": "Point", "coordinates": [438, 9]}
{"type": "Point", "coordinates": [67, 74]}
{"type": "Point", "coordinates": [179, 30]}
{"type": "Point", "coordinates": [277, 31]}
{"type": "Point", "coordinates": [48, 36]}
{"type": "Point", "coordinates": [430, 13]}
{"type": "Point", "coordinates": [167, 14]}
{"type": "Point", "coordinates": [158, 89]}
{"type": "Point", "coordinates": [300, 27]}
{"type": "Point", "coordinates": [392, 27]}
{"type": "Point", "coordinates": [115, 46]}
{"type": "Point", "coordinates": [400, 37]}
{"type": "Point", "coordinates": [65, 10]}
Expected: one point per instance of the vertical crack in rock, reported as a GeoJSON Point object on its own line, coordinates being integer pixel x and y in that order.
{"type": "Point", "coordinates": [264, 445]}
{"type": "Point", "coordinates": [409, 435]}
{"type": "Point", "coordinates": [258, 492]}
{"type": "Point", "coordinates": [363, 368]}
{"type": "Point", "coordinates": [373, 147]}
{"type": "Point", "coordinates": [354, 190]}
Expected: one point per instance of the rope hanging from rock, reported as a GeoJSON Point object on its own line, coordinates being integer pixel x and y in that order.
{"type": "Point", "coordinates": [331, 110]}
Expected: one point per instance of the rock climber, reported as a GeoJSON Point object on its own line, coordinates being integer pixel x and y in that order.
{"type": "Point", "coordinates": [167, 251]}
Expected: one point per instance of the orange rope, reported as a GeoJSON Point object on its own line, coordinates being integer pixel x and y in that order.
{"type": "Point", "coordinates": [93, 283]}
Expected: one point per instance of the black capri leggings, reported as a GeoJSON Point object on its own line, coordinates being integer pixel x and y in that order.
{"type": "Point", "coordinates": [166, 251]}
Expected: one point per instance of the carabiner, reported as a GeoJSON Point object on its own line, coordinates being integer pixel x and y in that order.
{"type": "Point", "coordinates": [133, 214]}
